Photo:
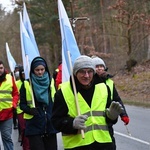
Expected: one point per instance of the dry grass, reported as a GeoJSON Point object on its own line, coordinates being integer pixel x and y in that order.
{"type": "Point", "coordinates": [134, 87]}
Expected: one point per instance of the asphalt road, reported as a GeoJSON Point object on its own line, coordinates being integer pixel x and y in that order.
{"type": "Point", "coordinates": [135, 136]}
{"type": "Point", "coordinates": [17, 144]}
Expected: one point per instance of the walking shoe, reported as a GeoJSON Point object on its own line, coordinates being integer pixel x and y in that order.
{"type": "Point", "coordinates": [15, 127]}
{"type": "Point", "coordinates": [19, 138]}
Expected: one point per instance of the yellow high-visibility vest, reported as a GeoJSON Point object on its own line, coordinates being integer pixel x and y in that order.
{"type": "Point", "coordinates": [110, 83]}
{"type": "Point", "coordinates": [18, 84]}
{"type": "Point", "coordinates": [6, 93]}
{"type": "Point", "coordinates": [97, 129]}
{"type": "Point", "coordinates": [29, 96]}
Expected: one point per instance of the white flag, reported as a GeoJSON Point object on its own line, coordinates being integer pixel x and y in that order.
{"type": "Point", "coordinates": [68, 42]}
{"type": "Point", "coordinates": [11, 61]}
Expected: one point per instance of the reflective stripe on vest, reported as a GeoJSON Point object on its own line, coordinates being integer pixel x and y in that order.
{"type": "Point", "coordinates": [6, 93]}
{"type": "Point", "coordinates": [29, 96]}
{"type": "Point", "coordinates": [110, 83]}
{"type": "Point", "coordinates": [97, 129]}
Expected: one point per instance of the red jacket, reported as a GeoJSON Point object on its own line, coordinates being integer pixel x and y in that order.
{"type": "Point", "coordinates": [59, 76]}
{"type": "Point", "coordinates": [6, 114]}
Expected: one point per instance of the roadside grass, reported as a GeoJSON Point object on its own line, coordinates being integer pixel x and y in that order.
{"type": "Point", "coordinates": [137, 103]}
{"type": "Point", "coordinates": [134, 87]}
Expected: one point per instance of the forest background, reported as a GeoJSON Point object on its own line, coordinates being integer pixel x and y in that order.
{"type": "Point", "coordinates": [118, 31]}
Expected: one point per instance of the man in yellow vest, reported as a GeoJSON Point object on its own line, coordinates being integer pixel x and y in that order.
{"type": "Point", "coordinates": [93, 113]}
{"type": "Point", "coordinates": [102, 76]}
{"type": "Point", "coordinates": [9, 97]}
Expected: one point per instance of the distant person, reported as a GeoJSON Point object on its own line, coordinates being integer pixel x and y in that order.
{"type": "Point", "coordinates": [21, 121]}
{"type": "Point", "coordinates": [16, 75]}
{"type": "Point", "coordinates": [102, 76]}
{"type": "Point", "coordinates": [57, 75]}
{"type": "Point", "coordinates": [58, 79]}
{"type": "Point", "coordinates": [39, 128]}
{"type": "Point", "coordinates": [9, 97]}
{"type": "Point", "coordinates": [96, 110]}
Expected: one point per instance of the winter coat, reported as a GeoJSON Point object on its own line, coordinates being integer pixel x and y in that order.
{"type": "Point", "coordinates": [39, 124]}
{"type": "Point", "coordinates": [64, 123]}
{"type": "Point", "coordinates": [115, 94]}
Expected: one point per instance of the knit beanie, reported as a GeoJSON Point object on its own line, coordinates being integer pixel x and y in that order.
{"type": "Point", "coordinates": [82, 62]}
{"type": "Point", "coordinates": [98, 61]}
{"type": "Point", "coordinates": [37, 62]}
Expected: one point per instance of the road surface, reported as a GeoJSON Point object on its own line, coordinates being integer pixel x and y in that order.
{"type": "Point", "coordinates": [136, 136]}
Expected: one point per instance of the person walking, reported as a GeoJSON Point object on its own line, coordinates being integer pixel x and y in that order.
{"type": "Point", "coordinates": [39, 128]}
{"type": "Point", "coordinates": [9, 97]}
{"type": "Point", "coordinates": [57, 75]}
{"type": "Point", "coordinates": [21, 121]}
{"type": "Point", "coordinates": [96, 110]}
{"type": "Point", "coordinates": [15, 119]}
{"type": "Point", "coordinates": [102, 76]}
{"type": "Point", "coordinates": [58, 79]}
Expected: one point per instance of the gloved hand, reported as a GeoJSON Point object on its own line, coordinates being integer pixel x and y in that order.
{"type": "Point", "coordinates": [78, 122]}
{"type": "Point", "coordinates": [125, 119]}
{"type": "Point", "coordinates": [33, 111]}
{"type": "Point", "coordinates": [114, 110]}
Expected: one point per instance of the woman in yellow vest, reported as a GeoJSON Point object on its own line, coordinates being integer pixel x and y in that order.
{"type": "Point", "coordinates": [94, 115]}
{"type": "Point", "coordinates": [39, 128]}
{"type": "Point", "coordinates": [102, 76]}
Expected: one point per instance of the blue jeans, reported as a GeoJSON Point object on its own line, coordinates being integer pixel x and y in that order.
{"type": "Point", "coordinates": [6, 132]}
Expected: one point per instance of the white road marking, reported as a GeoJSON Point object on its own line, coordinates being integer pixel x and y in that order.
{"type": "Point", "coordinates": [133, 138]}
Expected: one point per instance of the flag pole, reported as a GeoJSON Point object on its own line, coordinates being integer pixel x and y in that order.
{"type": "Point", "coordinates": [128, 130]}
{"type": "Point", "coordinates": [75, 91]}
{"type": "Point", "coordinates": [64, 22]}
{"type": "Point", "coordinates": [33, 101]}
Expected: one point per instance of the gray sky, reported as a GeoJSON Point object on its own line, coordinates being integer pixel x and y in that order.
{"type": "Point", "coordinates": [7, 5]}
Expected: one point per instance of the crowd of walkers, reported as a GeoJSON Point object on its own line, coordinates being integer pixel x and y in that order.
{"type": "Point", "coordinates": [84, 108]}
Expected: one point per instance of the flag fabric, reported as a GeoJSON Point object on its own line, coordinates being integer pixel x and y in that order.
{"type": "Point", "coordinates": [27, 24]}
{"type": "Point", "coordinates": [68, 42]}
{"type": "Point", "coordinates": [28, 44]}
{"type": "Point", "coordinates": [11, 61]}
{"type": "Point", "coordinates": [25, 63]}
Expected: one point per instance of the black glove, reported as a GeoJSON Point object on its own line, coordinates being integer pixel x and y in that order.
{"type": "Point", "coordinates": [33, 111]}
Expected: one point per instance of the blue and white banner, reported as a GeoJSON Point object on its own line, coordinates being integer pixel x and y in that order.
{"type": "Point", "coordinates": [28, 27]}
{"type": "Point", "coordinates": [11, 60]}
{"type": "Point", "coordinates": [68, 42]}
{"type": "Point", "coordinates": [28, 45]}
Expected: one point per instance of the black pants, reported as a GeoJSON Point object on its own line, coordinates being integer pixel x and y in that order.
{"type": "Point", "coordinates": [95, 146]}
{"type": "Point", "coordinates": [111, 132]}
{"type": "Point", "coordinates": [45, 142]}
{"type": "Point", "coordinates": [15, 122]}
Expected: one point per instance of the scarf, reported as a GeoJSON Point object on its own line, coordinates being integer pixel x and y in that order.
{"type": "Point", "coordinates": [41, 87]}
{"type": "Point", "coordinates": [3, 77]}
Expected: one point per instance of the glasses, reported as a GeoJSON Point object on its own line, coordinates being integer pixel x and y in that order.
{"type": "Point", "coordinates": [84, 72]}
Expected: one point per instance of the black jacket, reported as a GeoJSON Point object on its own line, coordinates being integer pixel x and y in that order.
{"type": "Point", "coordinates": [116, 96]}
{"type": "Point", "coordinates": [41, 122]}
{"type": "Point", "coordinates": [60, 119]}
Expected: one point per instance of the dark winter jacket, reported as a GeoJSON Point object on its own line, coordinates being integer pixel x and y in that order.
{"type": "Point", "coordinates": [116, 96]}
{"type": "Point", "coordinates": [61, 121]}
{"type": "Point", "coordinates": [41, 123]}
